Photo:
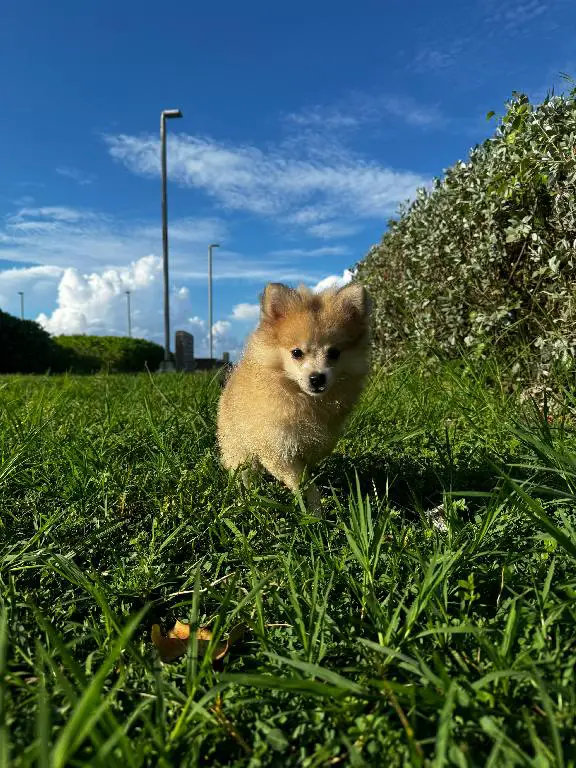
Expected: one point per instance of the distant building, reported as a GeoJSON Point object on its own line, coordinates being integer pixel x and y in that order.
{"type": "Point", "coordinates": [184, 351]}
{"type": "Point", "coordinates": [185, 360]}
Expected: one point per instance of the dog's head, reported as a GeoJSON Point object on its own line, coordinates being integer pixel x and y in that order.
{"type": "Point", "coordinates": [316, 339]}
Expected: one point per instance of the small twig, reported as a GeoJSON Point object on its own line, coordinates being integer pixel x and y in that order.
{"type": "Point", "coordinates": [157, 388]}
{"type": "Point", "coordinates": [223, 720]}
{"type": "Point", "coordinates": [501, 590]}
{"type": "Point", "coordinates": [403, 719]}
{"type": "Point", "coordinates": [205, 589]}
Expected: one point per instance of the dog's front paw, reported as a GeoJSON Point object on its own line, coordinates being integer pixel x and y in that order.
{"type": "Point", "coordinates": [246, 476]}
{"type": "Point", "coordinates": [250, 472]}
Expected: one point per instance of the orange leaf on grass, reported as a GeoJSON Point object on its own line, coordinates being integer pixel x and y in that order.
{"type": "Point", "coordinates": [175, 643]}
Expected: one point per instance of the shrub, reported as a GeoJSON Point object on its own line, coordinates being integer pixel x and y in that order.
{"type": "Point", "coordinates": [25, 347]}
{"type": "Point", "coordinates": [111, 353]}
{"type": "Point", "coordinates": [486, 259]}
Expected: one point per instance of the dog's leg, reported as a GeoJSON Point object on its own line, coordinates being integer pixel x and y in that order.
{"type": "Point", "coordinates": [291, 474]}
{"type": "Point", "coordinates": [248, 473]}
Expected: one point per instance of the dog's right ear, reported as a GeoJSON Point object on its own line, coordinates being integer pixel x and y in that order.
{"type": "Point", "coordinates": [276, 301]}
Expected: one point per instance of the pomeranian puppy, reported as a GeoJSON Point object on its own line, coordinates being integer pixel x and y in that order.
{"type": "Point", "coordinates": [285, 403]}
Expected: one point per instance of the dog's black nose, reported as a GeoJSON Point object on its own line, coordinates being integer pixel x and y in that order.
{"type": "Point", "coordinates": [317, 381]}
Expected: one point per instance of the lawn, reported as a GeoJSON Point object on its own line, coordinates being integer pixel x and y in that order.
{"type": "Point", "coordinates": [427, 619]}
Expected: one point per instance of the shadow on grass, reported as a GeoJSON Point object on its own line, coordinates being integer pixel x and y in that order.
{"type": "Point", "coordinates": [408, 482]}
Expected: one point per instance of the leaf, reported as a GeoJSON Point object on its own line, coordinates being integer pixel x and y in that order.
{"type": "Point", "coordinates": [445, 725]}
{"type": "Point", "coordinates": [315, 670]}
{"type": "Point", "coordinates": [490, 115]}
{"type": "Point", "coordinates": [175, 644]}
{"type": "Point", "coordinates": [277, 740]}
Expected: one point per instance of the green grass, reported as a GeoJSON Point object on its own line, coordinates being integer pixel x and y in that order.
{"type": "Point", "coordinates": [374, 639]}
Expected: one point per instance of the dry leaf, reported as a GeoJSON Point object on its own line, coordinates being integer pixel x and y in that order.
{"type": "Point", "coordinates": [175, 643]}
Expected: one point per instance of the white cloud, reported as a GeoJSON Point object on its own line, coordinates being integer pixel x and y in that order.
{"type": "Point", "coordinates": [324, 182]}
{"type": "Point", "coordinates": [516, 15]}
{"type": "Point", "coordinates": [226, 340]}
{"type": "Point", "coordinates": [37, 283]}
{"type": "Point", "coordinates": [334, 281]}
{"type": "Point", "coordinates": [246, 312]}
{"type": "Point", "coordinates": [298, 253]}
{"type": "Point", "coordinates": [413, 113]}
{"type": "Point", "coordinates": [71, 237]}
{"type": "Point", "coordinates": [221, 328]}
{"type": "Point", "coordinates": [307, 216]}
{"type": "Point", "coordinates": [95, 302]}
{"type": "Point", "coordinates": [88, 240]}
{"type": "Point", "coordinates": [50, 214]}
{"type": "Point", "coordinates": [223, 337]}
{"type": "Point", "coordinates": [76, 175]}
{"type": "Point", "coordinates": [323, 118]}
{"type": "Point", "coordinates": [431, 58]}
{"type": "Point", "coordinates": [24, 200]}
{"type": "Point", "coordinates": [360, 108]}
{"type": "Point", "coordinates": [328, 230]}
{"type": "Point", "coordinates": [258, 271]}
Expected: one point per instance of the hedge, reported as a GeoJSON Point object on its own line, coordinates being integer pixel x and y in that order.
{"type": "Point", "coordinates": [116, 354]}
{"type": "Point", "coordinates": [485, 260]}
{"type": "Point", "coordinates": [25, 347]}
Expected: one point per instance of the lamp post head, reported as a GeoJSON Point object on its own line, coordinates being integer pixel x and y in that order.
{"type": "Point", "coordinates": [214, 245]}
{"type": "Point", "coordinates": [170, 113]}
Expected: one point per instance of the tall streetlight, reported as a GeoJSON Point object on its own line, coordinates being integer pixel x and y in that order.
{"type": "Point", "coordinates": [210, 247]}
{"type": "Point", "coordinates": [129, 314]}
{"type": "Point", "coordinates": [21, 294]}
{"type": "Point", "coordinates": [166, 114]}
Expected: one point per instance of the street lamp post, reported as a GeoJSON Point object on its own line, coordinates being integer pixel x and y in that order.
{"type": "Point", "coordinates": [129, 315]}
{"type": "Point", "coordinates": [167, 114]}
{"type": "Point", "coordinates": [21, 294]}
{"type": "Point", "coordinates": [210, 335]}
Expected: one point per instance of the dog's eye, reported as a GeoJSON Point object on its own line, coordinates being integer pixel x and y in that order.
{"type": "Point", "coordinates": [333, 353]}
{"type": "Point", "coordinates": [297, 354]}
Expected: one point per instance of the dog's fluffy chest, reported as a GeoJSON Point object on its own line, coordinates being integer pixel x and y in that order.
{"type": "Point", "coordinates": [310, 433]}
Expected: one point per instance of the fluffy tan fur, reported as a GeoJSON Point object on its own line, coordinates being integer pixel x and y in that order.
{"type": "Point", "coordinates": [269, 416]}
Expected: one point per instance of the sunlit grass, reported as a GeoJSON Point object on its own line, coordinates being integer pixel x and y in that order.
{"type": "Point", "coordinates": [375, 638]}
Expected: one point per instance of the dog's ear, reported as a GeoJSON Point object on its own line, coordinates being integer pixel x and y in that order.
{"type": "Point", "coordinates": [276, 301]}
{"type": "Point", "coordinates": [355, 301]}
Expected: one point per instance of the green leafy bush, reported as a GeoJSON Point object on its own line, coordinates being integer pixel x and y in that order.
{"type": "Point", "coordinates": [25, 347]}
{"type": "Point", "coordinates": [486, 259]}
{"type": "Point", "coordinates": [111, 353]}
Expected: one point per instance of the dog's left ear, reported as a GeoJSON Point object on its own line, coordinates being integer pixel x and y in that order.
{"type": "Point", "coordinates": [276, 301]}
{"type": "Point", "coordinates": [355, 301]}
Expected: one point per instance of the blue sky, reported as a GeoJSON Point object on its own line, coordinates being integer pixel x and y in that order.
{"type": "Point", "coordinates": [305, 125]}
